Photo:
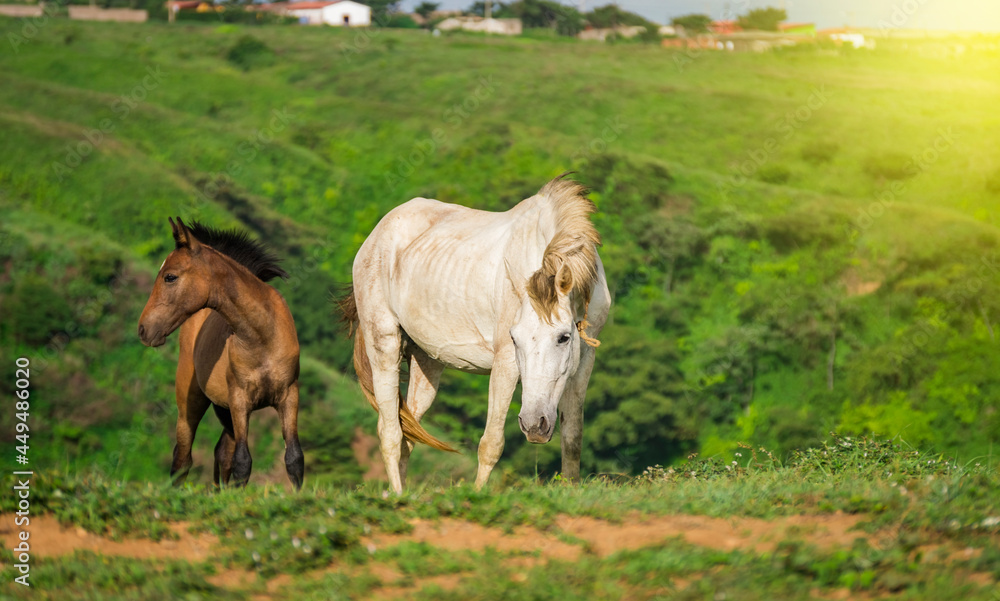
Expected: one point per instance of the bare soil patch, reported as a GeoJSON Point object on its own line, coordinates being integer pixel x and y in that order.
{"type": "Point", "coordinates": [458, 535]}
{"type": "Point", "coordinates": [605, 538]}
{"type": "Point", "coordinates": [50, 539]}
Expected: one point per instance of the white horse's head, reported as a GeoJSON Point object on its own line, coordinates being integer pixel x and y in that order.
{"type": "Point", "coordinates": [548, 353]}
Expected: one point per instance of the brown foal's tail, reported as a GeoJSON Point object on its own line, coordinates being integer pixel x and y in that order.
{"type": "Point", "coordinates": [411, 427]}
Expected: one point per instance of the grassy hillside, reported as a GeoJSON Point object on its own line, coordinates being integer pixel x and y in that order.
{"type": "Point", "coordinates": [798, 242]}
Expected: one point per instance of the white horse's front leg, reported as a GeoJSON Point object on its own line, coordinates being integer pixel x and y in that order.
{"type": "Point", "coordinates": [383, 354]}
{"type": "Point", "coordinates": [571, 415]}
{"type": "Point", "coordinates": [503, 380]}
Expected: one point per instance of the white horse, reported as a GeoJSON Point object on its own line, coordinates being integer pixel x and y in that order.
{"type": "Point", "coordinates": [519, 294]}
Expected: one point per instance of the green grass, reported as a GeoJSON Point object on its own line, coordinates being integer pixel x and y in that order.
{"type": "Point", "coordinates": [736, 193]}
{"type": "Point", "coordinates": [906, 501]}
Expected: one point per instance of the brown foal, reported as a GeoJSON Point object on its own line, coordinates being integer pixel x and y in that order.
{"type": "Point", "coordinates": [239, 350]}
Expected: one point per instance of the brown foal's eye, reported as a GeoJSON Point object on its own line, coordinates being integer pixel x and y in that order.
{"type": "Point", "coordinates": [169, 278]}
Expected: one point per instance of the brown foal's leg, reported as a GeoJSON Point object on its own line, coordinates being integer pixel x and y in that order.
{"type": "Point", "coordinates": [191, 407]}
{"type": "Point", "coordinates": [225, 448]}
{"type": "Point", "coordinates": [239, 407]}
{"type": "Point", "coordinates": [288, 411]}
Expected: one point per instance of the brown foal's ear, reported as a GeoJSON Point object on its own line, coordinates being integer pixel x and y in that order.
{"type": "Point", "coordinates": [180, 232]}
{"type": "Point", "coordinates": [183, 237]}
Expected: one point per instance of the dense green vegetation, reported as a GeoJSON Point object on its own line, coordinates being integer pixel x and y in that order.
{"type": "Point", "coordinates": [798, 242]}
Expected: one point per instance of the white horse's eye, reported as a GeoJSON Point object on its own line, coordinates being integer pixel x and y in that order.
{"type": "Point", "coordinates": [563, 339]}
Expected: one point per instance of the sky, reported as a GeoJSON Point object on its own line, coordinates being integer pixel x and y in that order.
{"type": "Point", "coordinates": [982, 15]}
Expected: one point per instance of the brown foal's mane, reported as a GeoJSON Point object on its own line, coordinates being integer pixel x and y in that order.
{"type": "Point", "coordinates": [570, 260]}
{"type": "Point", "coordinates": [240, 247]}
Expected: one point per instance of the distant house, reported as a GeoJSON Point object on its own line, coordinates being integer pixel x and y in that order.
{"type": "Point", "coordinates": [849, 37]}
{"type": "Point", "coordinates": [797, 28]}
{"type": "Point", "coordinates": [176, 6]}
{"type": "Point", "coordinates": [339, 13]}
{"type": "Point", "coordinates": [498, 26]}
{"type": "Point", "coordinates": [724, 27]}
{"type": "Point", "coordinates": [625, 31]}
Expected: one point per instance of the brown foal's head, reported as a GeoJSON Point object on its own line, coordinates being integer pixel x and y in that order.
{"type": "Point", "coordinates": [182, 288]}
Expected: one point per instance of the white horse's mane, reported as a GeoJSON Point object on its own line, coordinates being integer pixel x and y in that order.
{"type": "Point", "coordinates": [569, 265]}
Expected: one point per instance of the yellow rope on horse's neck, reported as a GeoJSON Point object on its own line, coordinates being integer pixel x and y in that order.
{"type": "Point", "coordinates": [581, 327]}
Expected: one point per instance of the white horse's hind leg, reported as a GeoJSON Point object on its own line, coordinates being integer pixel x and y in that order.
{"type": "Point", "coordinates": [503, 380]}
{"type": "Point", "coordinates": [571, 415]}
{"type": "Point", "coordinates": [383, 353]}
{"type": "Point", "coordinates": [425, 375]}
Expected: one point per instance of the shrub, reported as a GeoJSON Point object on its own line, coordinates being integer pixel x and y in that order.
{"type": "Point", "coordinates": [36, 311]}
{"type": "Point", "coordinates": [401, 21]}
{"type": "Point", "coordinates": [993, 182]}
{"type": "Point", "coordinates": [774, 174]}
{"type": "Point", "coordinates": [892, 165]}
{"type": "Point", "coordinates": [248, 52]}
{"type": "Point", "coordinates": [818, 153]}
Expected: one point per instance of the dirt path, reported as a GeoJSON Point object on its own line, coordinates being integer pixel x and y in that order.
{"type": "Point", "coordinates": [571, 538]}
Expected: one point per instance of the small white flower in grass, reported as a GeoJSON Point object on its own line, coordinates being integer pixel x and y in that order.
{"type": "Point", "coordinates": [307, 550]}
{"type": "Point", "coordinates": [156, 514]}
{"type": "Point", "coordinates": [322, 529]}
{"type": "Point", "coordinates": [371, 548]}
{"type": "Point", "coordinates": [739, 454]}
{"type": "Point", "coordinates": [256, 557]}
{"type": "Point", "coordinates": [330, 511]}
{"type": "Point", "coordinates": [248, 533]}
{"type": "Point", "coordinates": [990, 522]}
{"type": "Point", "coordinates": [954, 524]}
{"type": "Point", "coordinates": [296, 542]}
{"type": "Point", "coordinates": [734, 463]}
{"type": "Point", "coordinates": [385, 494]}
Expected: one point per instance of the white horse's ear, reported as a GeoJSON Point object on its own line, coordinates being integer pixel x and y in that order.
{"type": "Point", "coordinates": [515, 283]}
{"type": "Point", "coordinates": [564, 279]}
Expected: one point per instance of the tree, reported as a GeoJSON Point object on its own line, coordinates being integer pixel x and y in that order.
{"type": "Point", "coordinates": [424, 9]}
{"type": "Point", "coordinates": [612, 16]}
{"type": "Point", "coordinates": [566, 20]}
{"type": "Point", "coordinates": [763, 19]}
{"type": "Point", "coordinates": [381, 9]}
{"type": "Point", "coordinates": [693, 23]}
{"type": "Point", "coordinates": [498, 10]}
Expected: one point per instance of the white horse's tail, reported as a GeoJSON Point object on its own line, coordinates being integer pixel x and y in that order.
{"type": "Point", "coordinates": [412, 429]}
